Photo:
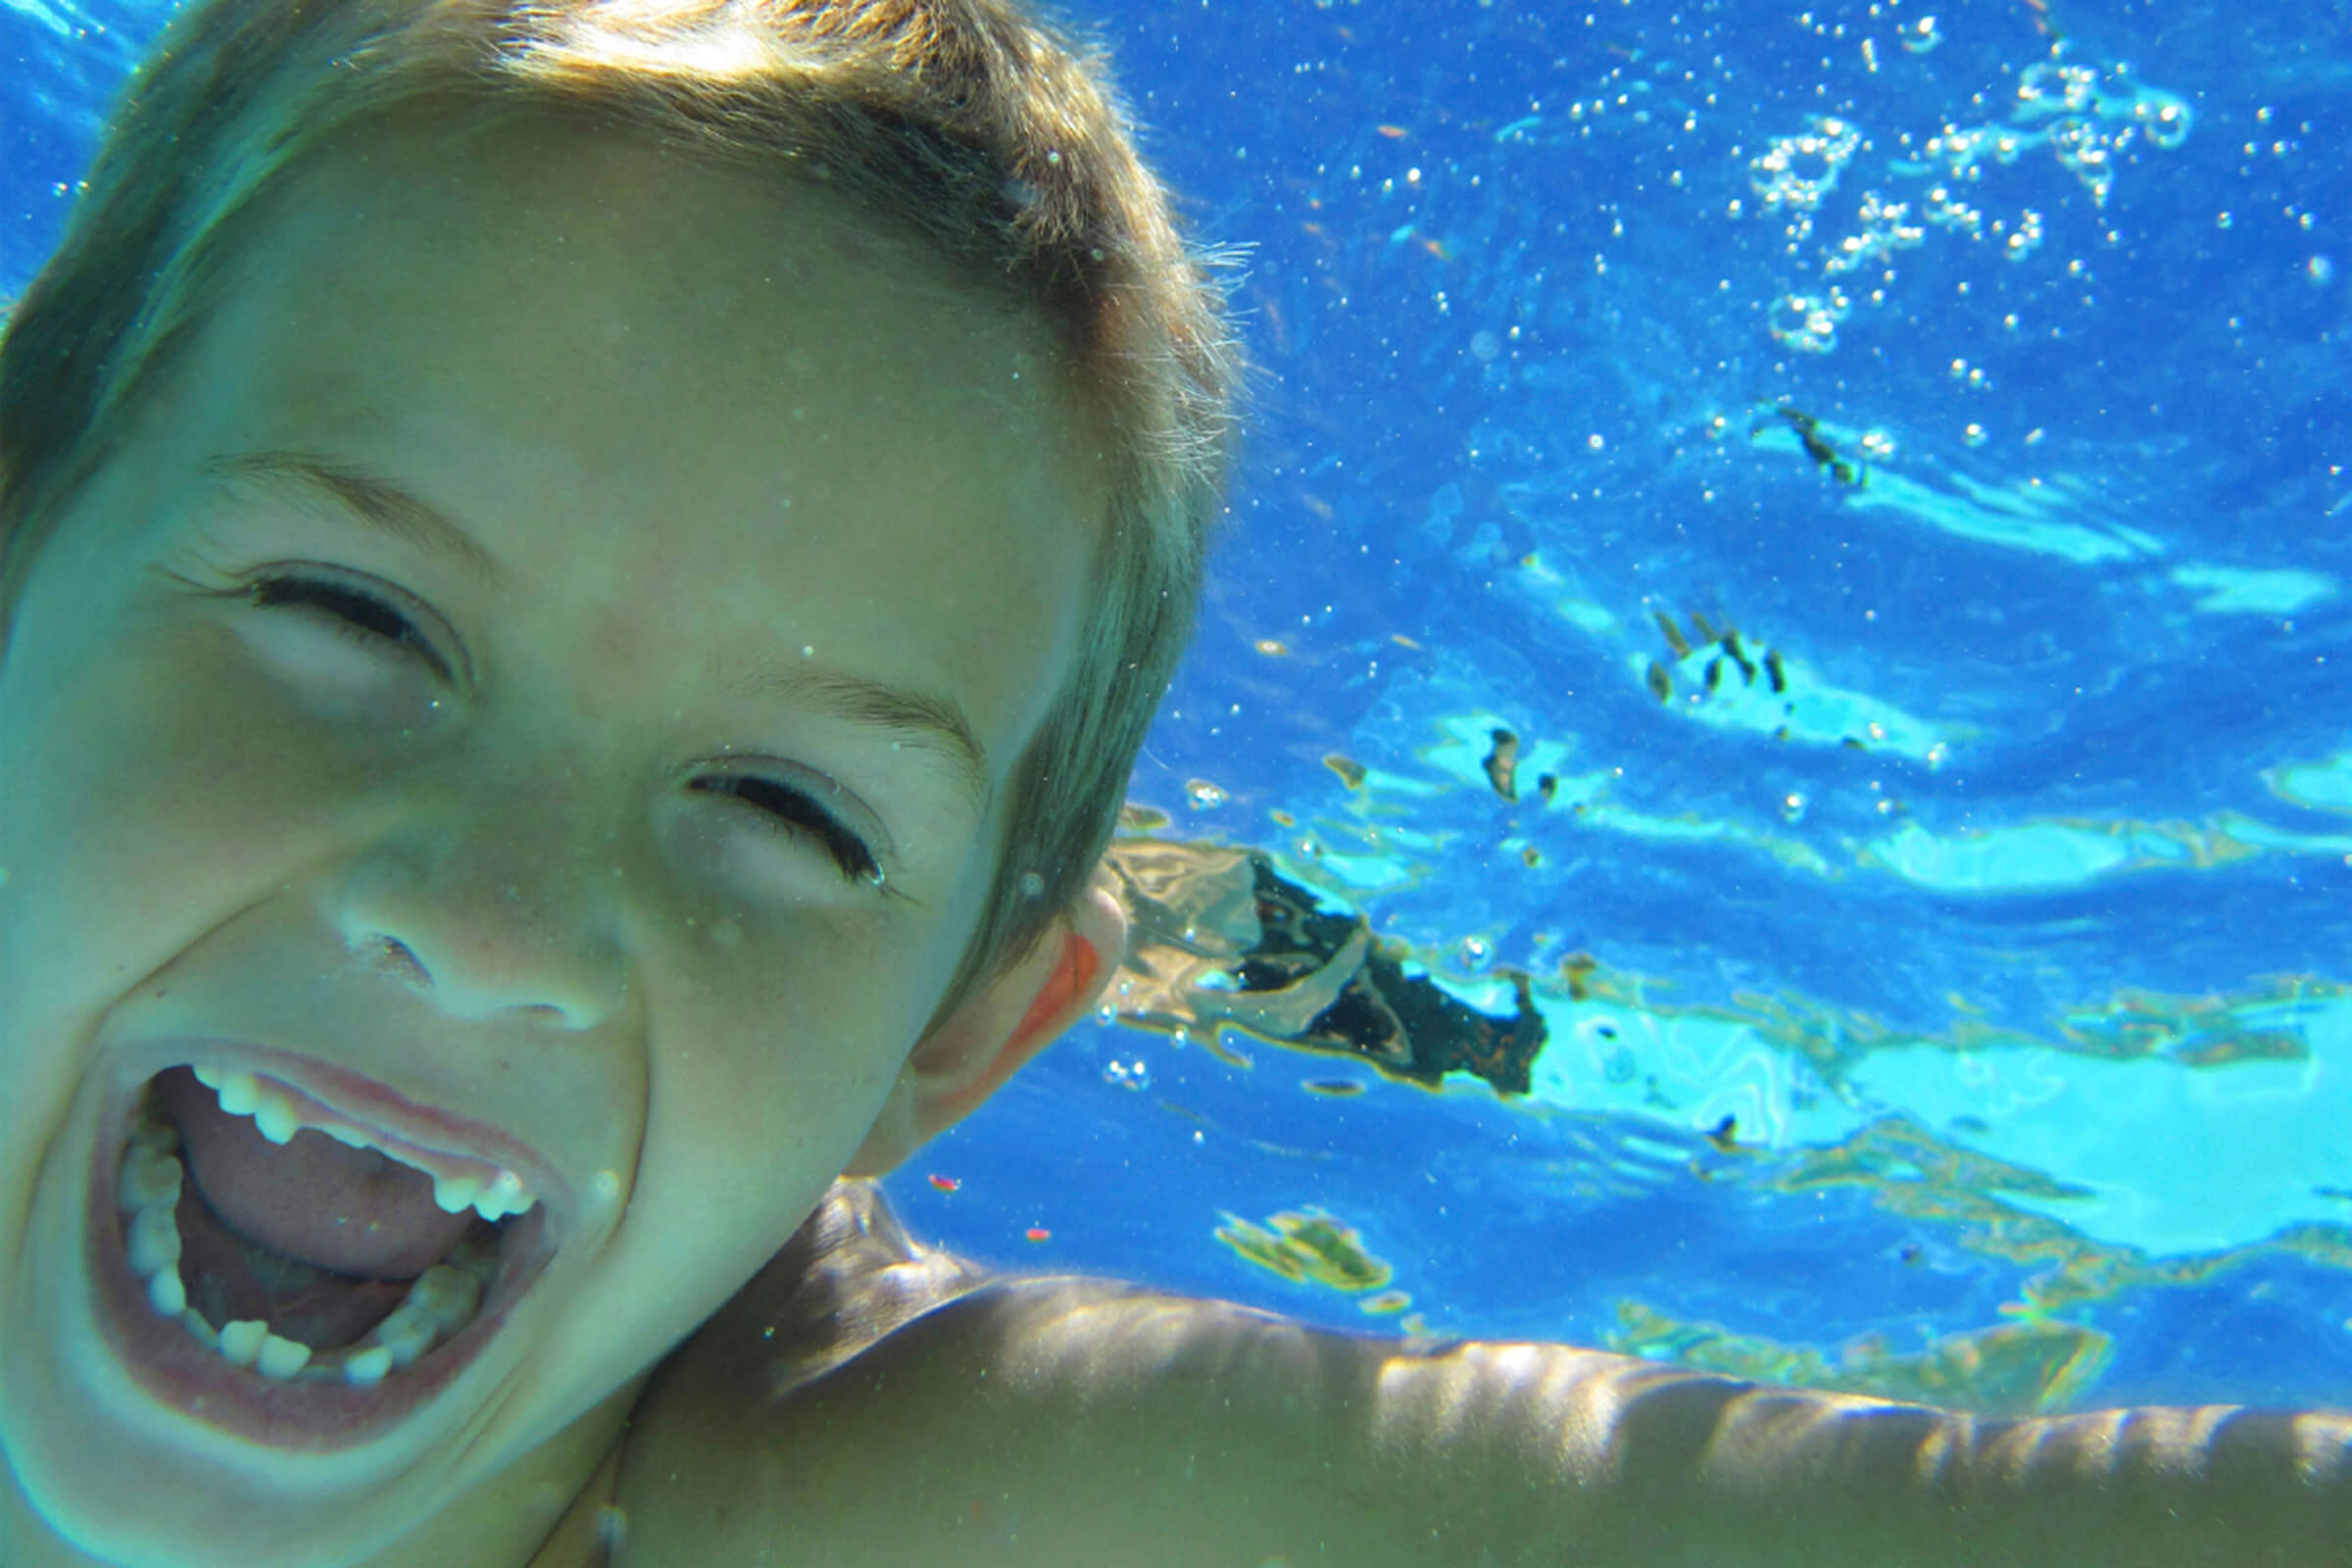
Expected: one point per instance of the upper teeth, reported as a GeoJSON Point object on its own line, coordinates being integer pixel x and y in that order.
{"type": "Point", "coordinates": [459, 1182]}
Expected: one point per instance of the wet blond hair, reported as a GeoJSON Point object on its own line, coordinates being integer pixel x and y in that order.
{"type": "Point", "coordinates": [976, 124]}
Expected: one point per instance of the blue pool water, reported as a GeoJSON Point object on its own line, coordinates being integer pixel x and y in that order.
{"type": "Point", "coordinates": [1982, 367]}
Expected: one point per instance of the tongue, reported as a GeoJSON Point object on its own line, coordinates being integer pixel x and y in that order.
{"type": "Point", "coordinates": [230, 1278]}
{"type": "Point", "coordinates": [352, 1210]}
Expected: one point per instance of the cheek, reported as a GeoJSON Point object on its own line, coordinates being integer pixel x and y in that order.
{"type": "Point", "coordinates": [134, 816]}
{"type": "Point", "coordinates": [140, 801]}
{"type": "Point", "coordinates": [777, 1064]}
{"type": "Point", "coordinates": [761, 1095]}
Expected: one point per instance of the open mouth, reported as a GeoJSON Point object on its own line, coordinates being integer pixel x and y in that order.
{"type": "Point", "coordinates": [297, 1271]}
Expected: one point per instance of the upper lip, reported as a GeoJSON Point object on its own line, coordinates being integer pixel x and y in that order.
{"type": "Point", "coordinates": [370, 1104]}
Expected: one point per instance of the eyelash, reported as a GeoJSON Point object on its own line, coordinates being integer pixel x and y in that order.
{"type": "Point", "coordinates": [781, 808]}
{"type": "Point", "coordinates": [360, 617]}
{"type": "Point", "coordinates": [794, 813]}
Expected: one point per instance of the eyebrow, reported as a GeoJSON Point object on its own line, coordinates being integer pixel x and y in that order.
{"type": "Point", "coordinates": [933, 722]}
{"type": "Point", "coordinates": [376, 501]}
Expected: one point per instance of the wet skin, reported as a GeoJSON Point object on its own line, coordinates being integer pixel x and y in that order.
{"type": "Point", "coordinates": [499, 850]}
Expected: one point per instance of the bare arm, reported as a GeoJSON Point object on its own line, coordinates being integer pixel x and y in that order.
{"type": "Point", "coordinates": [1082, 1422]}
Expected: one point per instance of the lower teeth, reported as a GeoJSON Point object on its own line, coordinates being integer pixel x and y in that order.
{"type": "Point", "coordinates": [442, 1301]}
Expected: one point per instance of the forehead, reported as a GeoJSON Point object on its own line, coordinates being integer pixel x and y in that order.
{"type": "Point", "coordinates": [701, 405]}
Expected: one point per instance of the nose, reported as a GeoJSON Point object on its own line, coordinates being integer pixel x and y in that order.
{"type": "Point", "coordinates": [494, 895]}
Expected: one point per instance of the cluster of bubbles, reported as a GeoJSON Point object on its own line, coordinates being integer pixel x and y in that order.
{"type": "Point", "coordinates": [2085, 116]}
{"type": "Point", "coordinates": [1792, 179]}
{"type": "Point", "coordinates": [2094, 115]}
{"type": "Point", "coordinates": [1796, 173]}
{"type": "Point", "coordinates": [1887, 227]}
{"type": "Point", "coordinates": [1808, 322]}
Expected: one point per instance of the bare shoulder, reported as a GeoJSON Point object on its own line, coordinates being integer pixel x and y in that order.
{"type": "Point", "coordinates": [848, 1278]}
{"type": "Point", "coordinates": [866, 1399]}
{"type": "Point", "coordinates": [869, 1401]}
{"type": "Point", "coordinates": [715, 1421]}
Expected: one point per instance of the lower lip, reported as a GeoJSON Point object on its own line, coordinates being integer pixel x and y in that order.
{"type": "Point", "coordinates": [314, 1417]}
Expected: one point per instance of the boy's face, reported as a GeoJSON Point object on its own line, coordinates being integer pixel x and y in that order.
{"type": "Point", "coordinates": [478, 692]}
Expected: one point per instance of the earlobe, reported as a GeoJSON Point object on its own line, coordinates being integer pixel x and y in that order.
{"type": "Point", "coordinates": [993, 1033]}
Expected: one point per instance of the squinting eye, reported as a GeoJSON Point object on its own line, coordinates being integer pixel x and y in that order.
{"type": "Point", "coordinates": [785, 810]}
{"type": "Point", "coordinates": [352, 613]}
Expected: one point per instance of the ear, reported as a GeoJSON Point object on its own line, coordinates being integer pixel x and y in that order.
{"type": "Point", "coordinates": [992, 1033]}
